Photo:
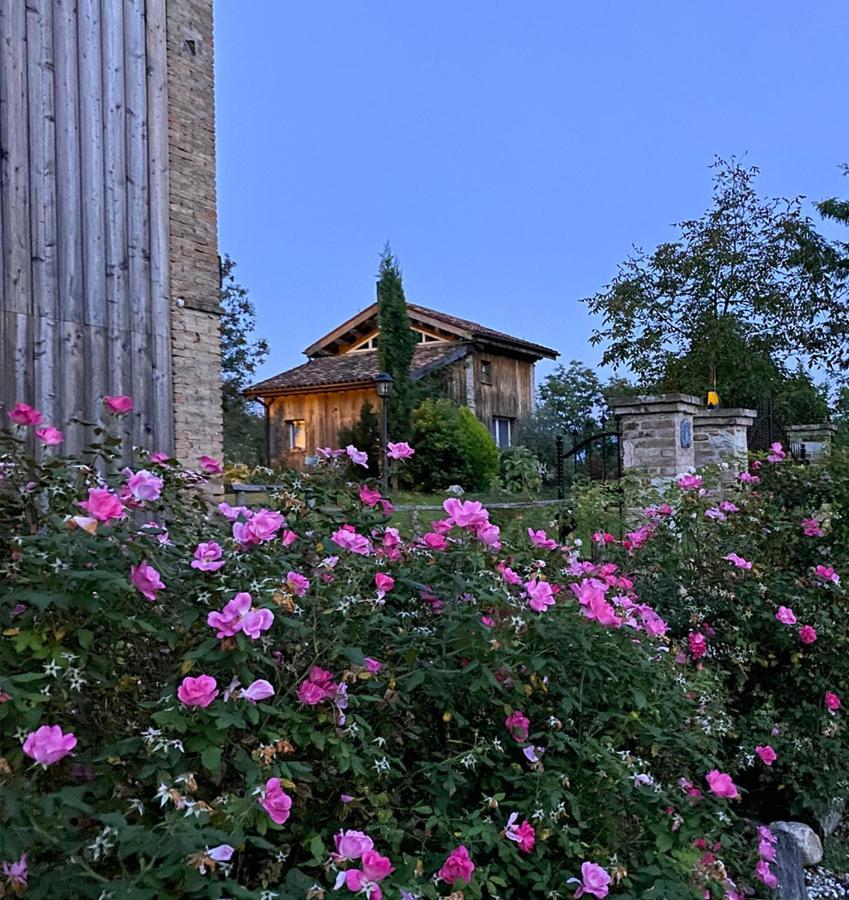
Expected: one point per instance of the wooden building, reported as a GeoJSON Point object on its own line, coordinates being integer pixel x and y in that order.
{"type": "Point", "coordinates": [108, 251]}
{"type": "Point", "coordinates": [490, 372]}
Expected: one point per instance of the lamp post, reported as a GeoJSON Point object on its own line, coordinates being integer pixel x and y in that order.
{"type": "Point", "coordinates": [383, 384]}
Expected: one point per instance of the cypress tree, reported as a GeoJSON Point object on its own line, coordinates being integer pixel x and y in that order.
{"type": "Point", "coordinates": [395, 344]}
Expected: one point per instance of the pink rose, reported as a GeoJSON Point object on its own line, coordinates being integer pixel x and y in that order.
{"type": "Point", "coordinates": [319, 686]}
{"type": "Point", "coordinates": [807, 634]}
{"type": "Point", "coordinates": [826, 573]}
{"type": "Point", "coordinates": [147, 580]}
{"type": "Point", "coordinates": [721, 784]}
{"type": "Point", "coordinates": [288, 538]}
{"type": "Point", "coordinates": [369, 496]}
{"type": "Point", "coordinates": [458, 865]}
{"type": "Point", "coordinates": [210, 465]}
{"type": "Point", "coordinates": [524, 835]}
{"type": "Point", "coordinates": [298, 584]}
{"type": "Point", "coordinates": [384, 582]}
{"type": "Point", "coordinates": [351, 845]}
{"type": "Point", "coordinates": [262, 526]}
{"type": "Point", "coordinates": [518, 724]}
{"type": "Point", "coordinates": [207, 557]}
{"type": "Point", "coordinates": [144, 485]}
{"type": "Point", "coordinates": [763, 871]}
{"type": "Point", "coordinates": [258, 690]}
{"type": "Point", "coordinates": [540, 595]}
{"type": "Point", "coordinates": [275, 801]}
{"type": "Point", "coordinates": [23, 414]}
{"type": "Point", "coordinates": [228, 622]}
{"type": "Point", "coordinates": [832, 702]}
{"type": "Point", "coordinates": [688, 483]}
{"type": "Point", "coordinates": [103, 505]}
{"type": "Point", "coordinates": [399, 450]}
{"type": "Point", "coordinates": [347, 538]}
{"type": "Point", "coordinates": [541, 539]}
{"type": "Point", "coordinates": [372, 665]}
{"type": "Point", "coordinates": [594, 880]}
{"type": "Point", "coordinates": [310, 694]}
{"type": "Point", "coordinates": [200, 691]}
{"type": "Point", "coordinates": [49, 436]}
{"type": "Point", "coordinates": [697, 644]}
{"type": "Point", "coordinates": [738, 561]}
{"type": "Point", "coordinates": [466, 513]}
{"type": "Point", "coordinates": [47, 745]}
{"type": "Point", "coordinates": [434, 541]}
{"type": "Point", "coordinates": [811, 528]}
{"type": "Point", "coordinates": [785, 615]}
{"type": "Point", "coordinates": [767, 754]}
{"type": "Point", "coordinates": [119, 405]}
{"type": "Point", "coordinates": [375, 867]}
{"type": "Point", "coordinates": [256, 621]}
{"type": "Point", "coordinates": [358, 457]}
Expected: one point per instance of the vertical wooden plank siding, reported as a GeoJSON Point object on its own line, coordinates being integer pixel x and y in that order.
{"type": "Point", "coordinates": [84, 293]}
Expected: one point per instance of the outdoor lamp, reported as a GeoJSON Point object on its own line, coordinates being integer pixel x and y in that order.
{"type": "Point", "coordinates": [712, 399]}
{"type": "Point", "coordinates": [383, 383]}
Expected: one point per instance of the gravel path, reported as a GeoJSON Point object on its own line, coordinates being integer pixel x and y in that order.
{"type": "Point", "coordinates": [825, 885]}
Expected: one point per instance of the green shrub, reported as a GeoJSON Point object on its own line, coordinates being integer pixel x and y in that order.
{"type": "Point", "coordinates": [452, 447]}
{"type": "Point", "coordinates": [388, 713]}
{"type": "Point", "coordinates": [520, 470]}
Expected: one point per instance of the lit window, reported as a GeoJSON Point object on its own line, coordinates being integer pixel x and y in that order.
{"type": "Point", "coordinates": [296, 437]}
{"type": "Point", "coordinates": [486, 371]}
{"type": "Point", "coordinates": [502, 431]}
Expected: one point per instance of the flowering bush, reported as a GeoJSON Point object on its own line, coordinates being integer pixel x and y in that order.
{"type": "Point", "coordinates": [301, 702]}
{"type": "Point", "coordinates": [749, 580]}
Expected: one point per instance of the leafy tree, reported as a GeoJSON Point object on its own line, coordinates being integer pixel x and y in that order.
{"type": "Point", "coordinates": [396, 343]}
{"type": "Point", "coordinates": [241, 356]}
{"type": "Point", "coordinates": [750, 279]}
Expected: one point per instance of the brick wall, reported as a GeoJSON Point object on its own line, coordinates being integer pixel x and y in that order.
{"type": "Point", "coordinates": [193, 241]}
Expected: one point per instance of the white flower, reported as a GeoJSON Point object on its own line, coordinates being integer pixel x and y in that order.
{"type": "Point", "coordinates": [51, 668]}
{"type": "Point", "coordinates": [381, 766]}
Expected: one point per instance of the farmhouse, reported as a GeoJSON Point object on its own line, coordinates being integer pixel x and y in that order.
{"type": "Point", "coordinates": [490, 372]}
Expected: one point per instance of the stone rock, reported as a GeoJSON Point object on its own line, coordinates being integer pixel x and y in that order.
{"type": "Point", "coordinates": [456, 490]}
{"type": "Point", "coordinates": [834, 816]}
{"type": "Point", "coordinates": [805, 838]}
{"type": "Point", "coordinates": [787, 867]}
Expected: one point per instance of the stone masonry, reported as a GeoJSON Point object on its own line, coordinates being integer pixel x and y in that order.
{"type": "Point", "coordinates": [657, 433]}
{"type": "Point", "coordinates": [721, 436]}
{"type": "Point", "coordinates": [193, 245]}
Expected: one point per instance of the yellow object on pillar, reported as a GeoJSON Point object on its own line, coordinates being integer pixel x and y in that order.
{"type": "Point", "coordinates": [712, 399]}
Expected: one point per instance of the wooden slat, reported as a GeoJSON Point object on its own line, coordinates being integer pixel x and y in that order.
{"type": "Point", "coordinates": [157, 117]}
{"type": "Point", "coordinates": [42, 166]}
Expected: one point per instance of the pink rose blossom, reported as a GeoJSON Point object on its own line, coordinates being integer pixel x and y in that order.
{"type": "Point", "coordinates": [762, 869]}
{"type": "Point", "coordinates": [826, 573]}
{"type": "Point", "coordinates": [594, 880]}
{"type": "Point", "coordinates": [372, 665]}
{"type": "Point", "coordinates": [208, 557]}
{"type": "Point", "coordinates": [369, 496]}
{"type": "Point", "coordinates": [767, 754]}
{"type": "Point", "coordinates": [49, 436]}
{"type": "Point", "coordinates": [540, 595]}
{"type": "Point", "coordinates": [832, 702]}
{"type": "Point", "coordinates": [811, 528]}
{"type": "Point", "coordinates": [48, 744]}
{"type": "Point", "coordinates": [228, 622]}
{"type": "Point", "coordinates": [275, 801]}
{"type": "Point", "coordinates": [144, 485]}
{"type": "Point", "coordinates": [776, 453]}
{"type": "Point", "coordinates": [210, 465]}
{"type": "Point", "coordinates": [603, 537]}
{"type": "Point", "coordinates": [466, 513]}
{"type": "Point", "coordinates": [697, 644]}
{"type": "Point", "coordinates": [690, 482]}
{"type": "Point", "coordinates": [524, 835]}
{"type": "Point", "coordinates": [509, 575]}
{"type": "Point", "coordinates": [351, 845]}
{"type": "Point", "coordinates": [159, 458]}
{"type": "Point", "coordinates": [357, 457]}
{"type": "Point", "coordinates": [258, 690]}
{"type": "Point", "coordinates": [785, 615]}
{"type": "Point", "coordinates": [748, 478]}
{"type": "Point", "coordinates": [434, 541]}
{"type": "Point", "coordinates": [541, 539]}
{"type": "Point", "coordinates": [233, 512]}
{"type": "Point", "coordinates": [348, 539]}
{"type": "Point", "coordinates": [298, 584]}
{"type": "Point", "coordinates": [261, 527]}
{"type": "Point", "coordinates": [221, 853]}
{"type": "Point", "coordinates": [24, 414]}
{"type": "Point", "coordinates": [458, 865]}
{"type": "Point", "coordinates": [288, 538]}
{"type": "Point", "coordinates": [721, 784]}
{"type": "Point", "coordinates": [384, 582]}
{"type": "Point", "coordinates": [738, 561]}
{"type": "Point", "coordinates": [807, 634]}
{"type": "Point", "coordinates": [256, 621]}
{"type": "Point", "coordinates": [374, 866]}
{"type": "Point", "coordinates": [103, 505]}
{"type": "Point", "coordinates": [518, 724]}
{"type": "Point", "coordinates": [319, 686]}
{"type": "Point", "coordinates": [119, 405]}
{"type": "Point", "coordinates": [399, 450]}
{"type": "Point", "coordinates": [200, 691]}
{"type": "Point", "coordinates": [147, 580]}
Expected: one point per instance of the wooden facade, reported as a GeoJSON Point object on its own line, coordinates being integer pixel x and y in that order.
{"type": "Point", "coordinates": [490, 372]}
{"type": "Point", "coordinates": [90, 121]}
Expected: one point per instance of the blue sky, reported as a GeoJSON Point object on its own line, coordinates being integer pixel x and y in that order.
{"type": "Point", "coordinates": [511, 152]}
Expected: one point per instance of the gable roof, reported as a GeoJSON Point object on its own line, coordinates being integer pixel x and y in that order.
{"type": "Point", "coordinates": [365, 321]}
{"type": "Point", "coordinates": [355, 369]}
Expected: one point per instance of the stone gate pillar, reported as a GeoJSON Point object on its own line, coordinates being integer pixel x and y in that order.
{"type": "Point", "coordinates": [657, 434]}
{"type": "Point", "coordinates": [816, 439]}
{"type": "Point", "coordinates": [721, 435]}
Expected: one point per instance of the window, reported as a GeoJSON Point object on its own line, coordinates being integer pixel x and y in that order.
{"type": "Point", "coordinates": [486, 372]}
{"type": "Point", "coordinates": [502, 431]}
{"type": "Point", "coordinates": [296, 436]}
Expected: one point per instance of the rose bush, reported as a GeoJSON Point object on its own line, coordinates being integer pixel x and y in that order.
{"type": "Point", "coordinates": [301, 702]}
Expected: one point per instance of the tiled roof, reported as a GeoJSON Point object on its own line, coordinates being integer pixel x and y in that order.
{"type": "Point", "coordinates": [356, 368]}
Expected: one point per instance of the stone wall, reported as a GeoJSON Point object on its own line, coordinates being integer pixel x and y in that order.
{"type": "Point", "coordinates": [193, 243]}
{"type": "Point", "coordinates": [721, 436]}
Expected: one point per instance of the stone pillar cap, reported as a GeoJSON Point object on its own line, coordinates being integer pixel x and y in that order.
{"type": "Point", "coordinates": [644, 404]}
{"type": "Point", "coordinates": [829, 427]}
{"type": "Point", "coordinates": [734, 415]}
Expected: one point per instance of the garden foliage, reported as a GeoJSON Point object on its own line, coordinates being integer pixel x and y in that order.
{"type": "Point", "coordinates": [301, 702]}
